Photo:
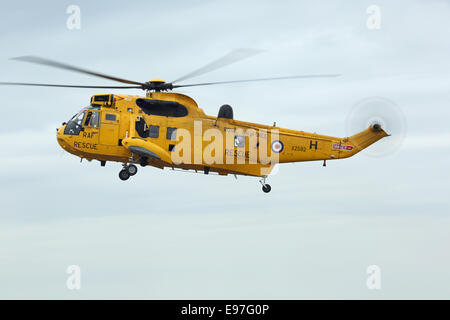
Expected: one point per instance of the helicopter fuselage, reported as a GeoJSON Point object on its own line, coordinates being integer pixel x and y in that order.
{"type": "Point", "coordinates": [170, 130]}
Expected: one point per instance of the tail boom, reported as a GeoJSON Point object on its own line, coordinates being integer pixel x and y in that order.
{"type": "Point", "coordinates": [310, 147]}
{"type": "Point", "coordinates": [364, 139]}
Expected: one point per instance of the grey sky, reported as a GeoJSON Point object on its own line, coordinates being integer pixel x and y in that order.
{"type": "Point", "coordinates": [168, 234]}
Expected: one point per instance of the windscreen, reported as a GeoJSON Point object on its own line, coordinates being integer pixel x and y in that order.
{"type": "Point", "coordinates": [73, 127]}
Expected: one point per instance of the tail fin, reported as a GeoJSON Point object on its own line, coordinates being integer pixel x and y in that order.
{"type": "Point", "coordinates": [365, 138]}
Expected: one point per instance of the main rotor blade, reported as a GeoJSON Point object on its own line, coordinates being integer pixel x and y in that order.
{"type": "Point", "coordinates": [260, 79]}
{"type": "Point", "coordinates": [60, 65]}
{"type": "Point", "coordinates": [232, 57]}
{"type": "Point", "coordinates": [66, 85]}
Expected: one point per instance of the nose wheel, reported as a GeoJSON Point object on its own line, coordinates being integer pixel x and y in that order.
{"type": "Point", "coordinates": [127, 171]}
{"type": "Point", "coordinates": [265, 186]}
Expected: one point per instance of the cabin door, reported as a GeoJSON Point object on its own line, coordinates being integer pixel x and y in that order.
{"type": "Point", "coordinates": [109, 129]}
{"type": "Point", "coordinates": [90, 129]}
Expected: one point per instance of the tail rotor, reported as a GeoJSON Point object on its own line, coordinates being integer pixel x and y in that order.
{"type": "Point", "coordinates": [378, 112]}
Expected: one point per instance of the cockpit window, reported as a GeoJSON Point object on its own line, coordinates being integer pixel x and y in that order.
{"type": "Point", "coordinates": [88, 118]}
{"type": "Point", "coordinates": [94, 120]}
{"type": "Point", "coordinates": [73, 127]}
{"type": "Point", "coordinates": [79, 118]}
{"type": "Point", "coordinates": [91, 119]}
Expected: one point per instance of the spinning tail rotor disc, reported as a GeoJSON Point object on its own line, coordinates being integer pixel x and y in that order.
{"type": "Point", "coordinates": [382, 111]}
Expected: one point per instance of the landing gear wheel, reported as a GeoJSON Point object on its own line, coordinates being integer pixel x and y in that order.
{"type": "Point", "coordinates": [132, 169]}
{"type": "Point", "coordinates": [265, 187]}
{"type": "Point", "coordinates": [124, 175]}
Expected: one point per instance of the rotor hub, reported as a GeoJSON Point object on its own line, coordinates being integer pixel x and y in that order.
{"type": "Point", "coordinates": [157, 85]}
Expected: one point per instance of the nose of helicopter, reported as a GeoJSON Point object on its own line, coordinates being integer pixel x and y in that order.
{"type": "Point", "coordinates": [60, 136]}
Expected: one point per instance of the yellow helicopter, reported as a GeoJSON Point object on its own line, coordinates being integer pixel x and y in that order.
{"type": "Point", "coordinates": [167, 129]}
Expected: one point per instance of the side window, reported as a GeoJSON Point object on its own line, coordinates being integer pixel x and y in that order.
{"type": "Point", "coordinates": [94, 120]}
{"type": "Point", "coordinates": [110, 117]}
{"type": "Point", "coordinates": [239, 141]}
{"type": "Point", "coordinates": [91, 119]}
{"type": "Point", "coordinates": [88, 119]}
{"type": "Point", "coordinates": [171, 133]}
{"type": "Point", "coordinates": [153, 132]}
{"type": "Point", "coordinates": [141, 128]}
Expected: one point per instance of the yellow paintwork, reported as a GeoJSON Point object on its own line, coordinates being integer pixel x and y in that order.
{"type": "Point", "coordinates": [150, 146]}
{"type": "Point", "coordinates": [102, 142]}
{"type": "Point", "coordinates": [157, 80]}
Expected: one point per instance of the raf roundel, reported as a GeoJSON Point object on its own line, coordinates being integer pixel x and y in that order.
{"type": "Point", "coordinates": [277, 146]}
